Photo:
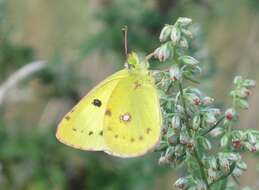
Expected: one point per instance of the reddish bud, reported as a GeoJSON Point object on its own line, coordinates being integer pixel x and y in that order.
{"type": "Point", "coordinates": [253, 149]}
{"type": "Point", "coordinates": [237, 143]}
{"type": "Point", "coordinates": [229, 114]}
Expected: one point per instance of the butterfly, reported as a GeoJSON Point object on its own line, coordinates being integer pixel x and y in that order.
{"type": "Point", "coordinates": [120, 116]}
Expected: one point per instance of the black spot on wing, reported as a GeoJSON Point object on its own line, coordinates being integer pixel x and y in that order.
{"type": "Point", "coordinates": [97, 102]}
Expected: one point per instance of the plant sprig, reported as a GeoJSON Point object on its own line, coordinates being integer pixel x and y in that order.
{"type": "Point", "coordinates": [191, 122]}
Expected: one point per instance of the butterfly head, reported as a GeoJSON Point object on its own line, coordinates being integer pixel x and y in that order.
{"type": "Point", "coordinates": [134, 63]}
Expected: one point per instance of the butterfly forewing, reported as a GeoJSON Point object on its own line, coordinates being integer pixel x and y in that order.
{"type": "Point", "coordinates": [82, 127]}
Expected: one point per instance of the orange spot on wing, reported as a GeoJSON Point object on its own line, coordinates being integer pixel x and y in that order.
{"type": "Point", "coordinates": [136, 85]}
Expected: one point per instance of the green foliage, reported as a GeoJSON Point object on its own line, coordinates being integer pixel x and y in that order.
{"type": "Point", "coordinates": [12, 56]}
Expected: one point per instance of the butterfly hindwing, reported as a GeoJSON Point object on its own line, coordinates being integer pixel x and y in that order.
{"type": "Point", "coordinates": [132, 121]}
{"type": "Point", "coordinates": [82, 127]}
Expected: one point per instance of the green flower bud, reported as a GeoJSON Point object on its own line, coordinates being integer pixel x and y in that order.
{"type": "Point", "coordinates": [249, 83]}
{"type": "Point", "coordinates": [205, 143]}
{"type": "Point", "coordinates": [242, 104]}
{"type": "Point", "coordinates": [176, 123]}
{"type": "Point", "coordinates": [242, 165]}
{"type": "Point", "coordinates": [184, 43]}
{"type": "Point", "coordinates": [175, 73]}
{"type": "Point", "coordinates": [175, 35]}
{"type": "Point", "coordinates": [187, 33]}
{"type": "Point", "coordinates": [212, 174]}
{"type": "Point", "coordinates": [224, 140]}
{"type": "Point", "coordinates": [207, 101]}
{"type": "Point", "coordinates": [243, 92]}
{"type": "Point", "coordinates": [188, 60]}
{"type": "Point", "coordinates": [163, 52]}
{"type": "Point", "coordinates": [193, 99]}
{"type": "Point", "coordinates": [224, 164]}
{"type": "Point", "coordinates": [216, 132]}
{"type": "Point", "coordinates": [196, 122]}
{"type": "Point", "coordinates": [182, 183]}
{"type": "Point", "coordinates": [165, 33]}
{"type": "Point", "coordinates": [251, 138]}
{"type": "Point", "coordinates": [184, 21]}
{"type": "Point", "coordinates": [210, 119]}
{"type": "Point", "coordinates": [238, 80]}
{"type": "Point", "coordinates": [237, 172]}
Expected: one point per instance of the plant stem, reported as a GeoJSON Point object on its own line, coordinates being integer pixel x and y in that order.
{"type": "Point", "coordinates": [188, 126]}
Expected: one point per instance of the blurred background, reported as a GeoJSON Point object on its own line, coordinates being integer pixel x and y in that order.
{"type": "Point", "coordinates": [82, 43]}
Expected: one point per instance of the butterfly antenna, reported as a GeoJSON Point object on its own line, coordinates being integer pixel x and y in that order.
{"type": "Point", "coordinates": [125, 33]}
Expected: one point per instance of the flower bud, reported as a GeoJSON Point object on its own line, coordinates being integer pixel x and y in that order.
{"type": "Point", "coordinates": [172, 140]}
{"type": "Point", "coordinates": [200, 185]}
{"type": "Point", "coordinates": [213, 163]}
{"type": "Point", "coordinates": [179, 150]}
{"type": "Point", "coordinates": [249, 83]}
{"type": "Point", "coordinates": [163, 160]}
{"type": "Point", "coordinates": [216, 132]}
{"type": "Point", "coordinates": [242, 104]}
{"type": "Point", "coordinates": [206, 143]}
{"type": "Point", "coordinates": [251, 138]}
{"type": "Point", "coordinates": [182, 183]}
{"type": "Point", "coordinates": [175, 35]}
{"type": "Point", "coordinates": [237, 143]}
{"type": "Point", "coordinates": [237, 172]}
{"type": "Point", "coordinates": [194, 99]}
{"type": "Point", "coordinates": [184, 139]}
{"type": "Point", "coordinates": [207, 101]}
{"type": "Point", "coordinates": [188, 60]}
{"type": "Point", "coordinates": [244, 92]}
{"type": "Point", "coordinates": [196, 122]}
{"type": "Point", "coordinates": [238, 80]}
{"type": "Point", "coordinates": [231, 156]}
{"type": "Point", "coordinates": [176, 123]}
{"type": "Point", "coordinates": [212, 174]}
{"type": "Point", "coordinates": [165, 33]}
{"type": "Point", "coordinates": [242, 165]}
{"type": "Point", "coordinates": [229, 114]}
{"type": "Point", "coordinates": [163, 52]}
{"type": "Point", "coordinates": [175, 73]}
{"type": "Point", "coordinates": [251, 147]}
{"type": "Point", "coordinates": [211, 119]}
{"type": "Point", "coordinates": [214, 111]}
{"type": "Point", "coordinates": [190, 144]}
{"type": "Point", "coordinates": [224, 141]}
{"type": "Point", "coordinates": [187, 33]}
{"type": "Point", "coordinates": [183, 43]}
{"type": "Point", "coordinates": [184, 21]}
{"type": "Point", "coordinates": [224, 164]}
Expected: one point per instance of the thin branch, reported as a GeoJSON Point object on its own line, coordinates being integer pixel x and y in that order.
{"type": "Point", "coordinates": [149, 56]}
{"type": "Point", "coordinates": [22, 73]}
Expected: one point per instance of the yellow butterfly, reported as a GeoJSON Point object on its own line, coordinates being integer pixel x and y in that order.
{"type": "Point", "coordinates": [120, 116]}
